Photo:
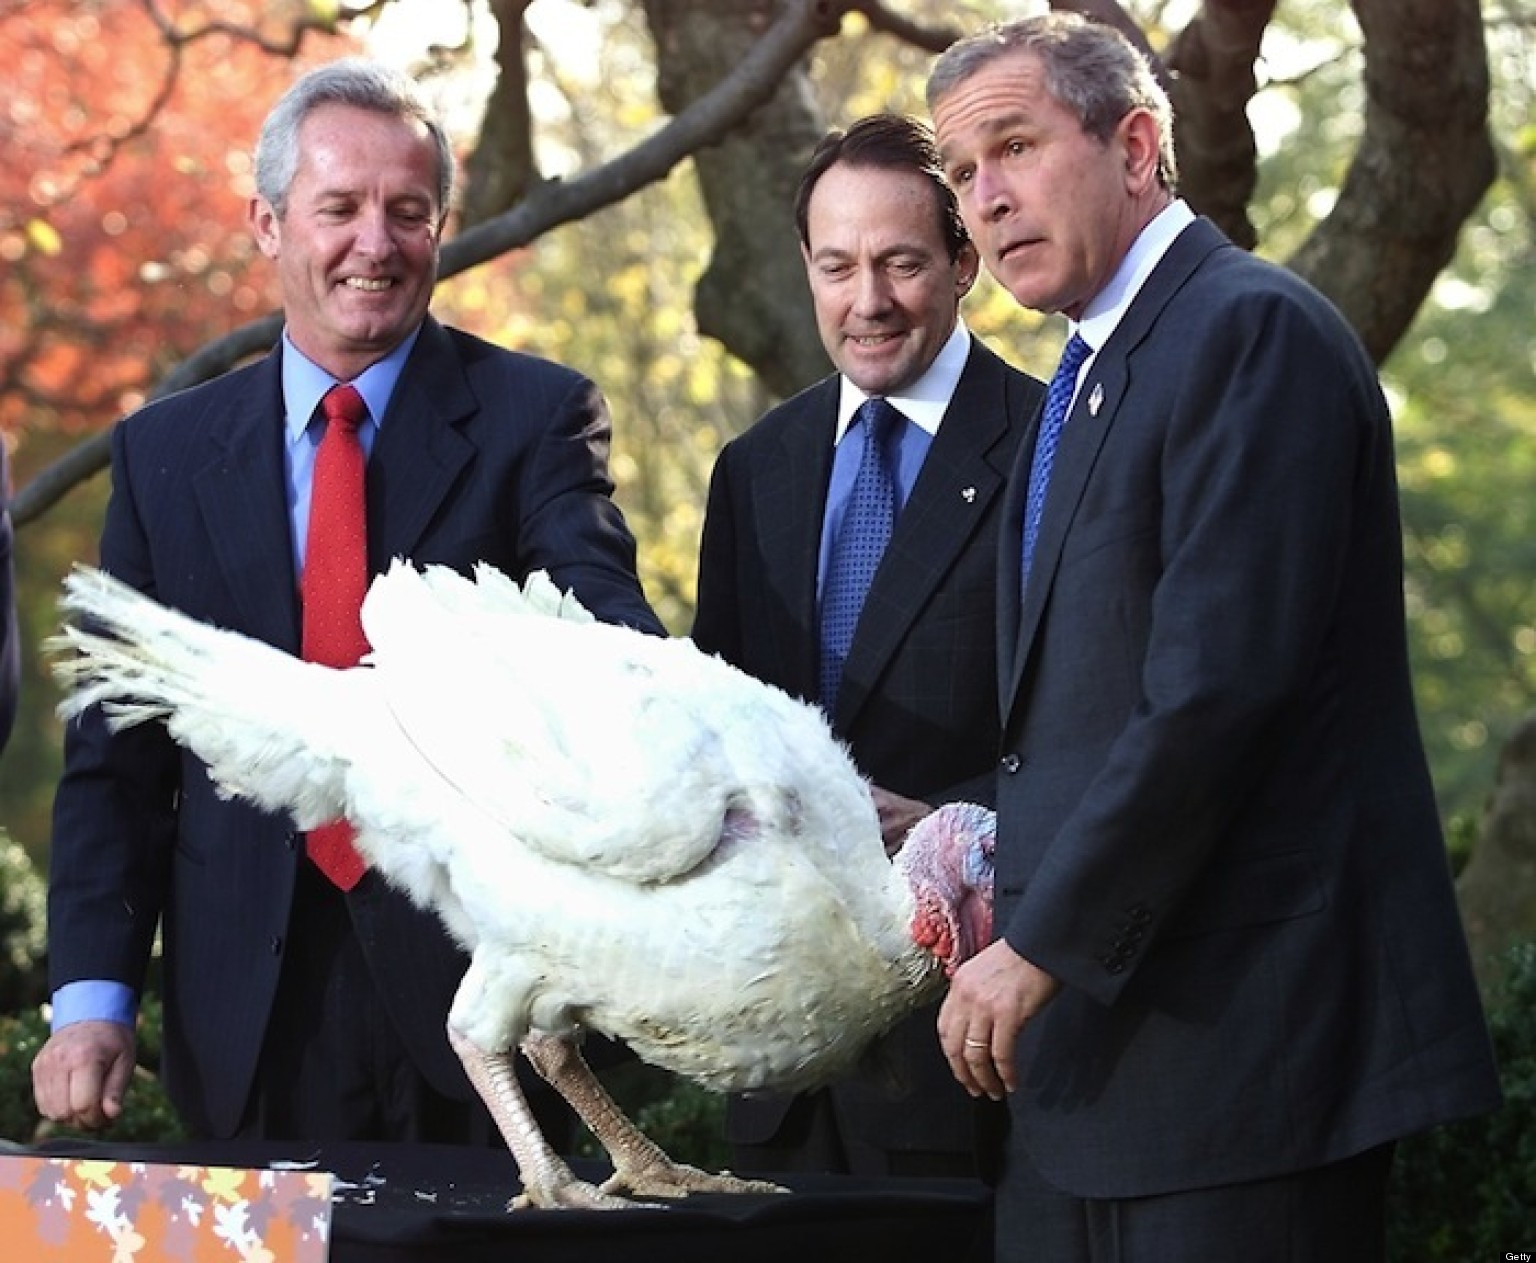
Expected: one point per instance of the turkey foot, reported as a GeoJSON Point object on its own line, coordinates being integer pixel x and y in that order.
{"type": "Point", "coordinates": [547, 1180]}
{"type": "Point", "coordinates": [666, 1178]}
{"type": "Point", "coordinates": [640, 1165]}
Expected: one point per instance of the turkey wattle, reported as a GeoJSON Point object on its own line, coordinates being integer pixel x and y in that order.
{"type": "Point", "coordinates": [625, 834]}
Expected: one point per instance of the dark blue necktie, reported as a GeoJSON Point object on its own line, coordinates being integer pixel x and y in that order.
{"type": "Point", "coordinates": [1058, 397]}
{"type": "Point", "coordinates": [860, 542]}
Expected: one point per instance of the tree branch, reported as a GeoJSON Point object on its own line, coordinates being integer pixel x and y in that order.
{"type": "Point", "coordinates": [104, 148]}
{"type": "Point", "coordinates": [932, 39]}
{"type": "Point", "coordinates": [177, 37]}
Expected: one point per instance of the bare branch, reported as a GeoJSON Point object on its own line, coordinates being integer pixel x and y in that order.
{"type": "Point", "coordinates": [288, 47]}
{"type": "Point", "coordinates": [556, 202]}
{"type": "Point", "coordinates": [103, 149]}
{"type": "Point", "coordinates": [933, 39]}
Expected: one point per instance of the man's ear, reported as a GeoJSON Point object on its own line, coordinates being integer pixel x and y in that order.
{"type": "Point", "coordinates": [266, 226]}
{"type": "Point", "coordinates": [1141, 143]}
{"type": "Point", "coordinates": [967, 268]}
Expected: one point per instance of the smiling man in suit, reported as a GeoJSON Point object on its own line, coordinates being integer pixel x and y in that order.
{"type": "Point", "coordinates": [298, 1006]}
{"type": "Point", "coordinates": [888, 262]}
{"type": "Point", "coordinates": [1229, 971]}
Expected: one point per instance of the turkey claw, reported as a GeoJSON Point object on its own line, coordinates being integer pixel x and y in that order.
{"type": "Point", "coordinates": [573, 1195]}
{"type": "Point", "coordinates": [676, 1180]}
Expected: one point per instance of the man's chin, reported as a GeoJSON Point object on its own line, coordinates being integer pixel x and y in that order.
{"type": "Point", "coordinates": [885, 376]}
{"type": "Point", "coordinates": [375, 331]}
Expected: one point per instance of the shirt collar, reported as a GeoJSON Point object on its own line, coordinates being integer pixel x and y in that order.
{"type": "Point", "coordinates": [305, 384]}
{"type": "Point", "coordinates": [925, 401]}
{"type": "Point", "coordinates": [1108, 307]}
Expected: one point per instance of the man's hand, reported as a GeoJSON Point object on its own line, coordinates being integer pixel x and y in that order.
{"type": "Point", "coordinates": [897, 816]}
{"type": "Point", "coordinates": [990, 999]}
{"type": "Point", "coordinates": [81, 1075]}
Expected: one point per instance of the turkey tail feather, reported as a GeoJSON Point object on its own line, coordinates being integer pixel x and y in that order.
{"type": "Point", "coordinates": [258, 717]}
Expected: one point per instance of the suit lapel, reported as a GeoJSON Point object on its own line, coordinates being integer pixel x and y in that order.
{"type": "Point", "coordinates": [961, 476]}
{"type": "Point", "coordinates": [1010, 562]}
{"type": "Point", "coordinates": [788, 506]}
{"type": "Point", "coordinates": [241, 492]}
{"type": "Point", "coordinates": [1094, 413]}
{"type": "Point", "coordinates": [421, 450]}
{"type": "Point", "coordinates": [242, 489]}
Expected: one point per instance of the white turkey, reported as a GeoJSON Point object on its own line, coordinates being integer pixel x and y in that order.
{"type": "Point", "coordinates": [625, 835]}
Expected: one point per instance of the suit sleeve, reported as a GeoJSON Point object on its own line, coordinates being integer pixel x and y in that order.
{"type": "Point", "coordinates": [571, 526]}
{"type": "Point", "coordinates": [114, 812]}
{"type": "Point", "coordinates": [717, 614]}
{"type": "Point", "coordinates": [1224, 581]}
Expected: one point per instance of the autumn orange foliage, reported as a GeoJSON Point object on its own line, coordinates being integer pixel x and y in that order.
{"type": "Point", "coordinates": [127, 129]}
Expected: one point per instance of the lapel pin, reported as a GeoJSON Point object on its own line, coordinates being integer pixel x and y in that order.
{"type": "Point", "coordinates": [968, 495]}
{"type": "Point", "coordinates": [1096, 400]}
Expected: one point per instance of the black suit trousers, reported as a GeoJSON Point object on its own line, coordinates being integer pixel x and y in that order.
{"type": "Point", "coordinates": [1330, 1214]}
{"type": "Point", "coordinates": [333, 1066]}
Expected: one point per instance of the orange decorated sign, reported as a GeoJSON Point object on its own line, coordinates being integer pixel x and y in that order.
{"type": "Point", "coordinates": [67, 1209]}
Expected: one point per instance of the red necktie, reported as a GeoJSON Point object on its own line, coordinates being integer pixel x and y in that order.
{"type": "Point", "coordinates": [335, 579]}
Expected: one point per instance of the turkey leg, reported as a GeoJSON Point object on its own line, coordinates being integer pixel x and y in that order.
{"type": "Point", "coordinates": [547, 1180]}
{"type": "Point", "coordinates": [640, 1166]}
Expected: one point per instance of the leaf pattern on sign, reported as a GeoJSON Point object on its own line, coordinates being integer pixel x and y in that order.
{"type": "Point", "coordinates": [175, 1214]}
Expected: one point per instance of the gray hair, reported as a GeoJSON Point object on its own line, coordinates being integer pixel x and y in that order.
{"type": "Point", "coordinates": [365, 85]}
{"type": "Point", "coordinates": [1090, 68]}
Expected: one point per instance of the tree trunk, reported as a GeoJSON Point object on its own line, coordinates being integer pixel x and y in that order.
{"type": "Point", "coordinates": [1213, 61]}
{"type": "Point", "coordinates": [1497, 889]}
{"type": "Point", "coordinates": [753, 295]}
{"type": "Point", "coordinates": [1424, 162]}
{"type": "Point", "coordinates": [501, 169]}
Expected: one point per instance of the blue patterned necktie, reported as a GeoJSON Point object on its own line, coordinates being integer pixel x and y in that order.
{"type": "Point", "coordinates": [860, 543]}
{"type": "Point", "coordinates": [1058, 397]}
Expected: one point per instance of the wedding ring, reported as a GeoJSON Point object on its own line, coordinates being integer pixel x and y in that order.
{"type": "Point", "coordinates": [977, 1043]}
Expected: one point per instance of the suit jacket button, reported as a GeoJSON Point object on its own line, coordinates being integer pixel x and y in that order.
{"type": "Point", "coordinates": [1010, 763]}
{"type": "Point", "coordinates": [276, 944]}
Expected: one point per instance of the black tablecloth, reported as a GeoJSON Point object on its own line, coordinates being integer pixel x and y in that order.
{"type": "Point", "coordinates": [419, 1203]}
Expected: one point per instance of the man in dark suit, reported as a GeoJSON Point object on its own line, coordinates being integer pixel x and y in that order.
{"type": "Point", "coordinates": [888, 262]}
{"type": "Point", "coordinates": [1230, 971]}
{"type": "Point", "coordinates": [293, 1009]}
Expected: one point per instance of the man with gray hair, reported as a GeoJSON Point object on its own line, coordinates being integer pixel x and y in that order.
{"type": "Point", "coordinates": [304, 999]}
{"type": "Point", "coordinates": [1229, 972]}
